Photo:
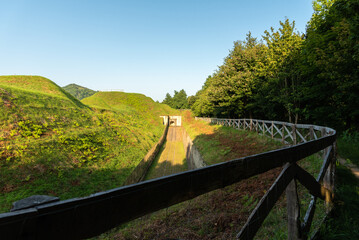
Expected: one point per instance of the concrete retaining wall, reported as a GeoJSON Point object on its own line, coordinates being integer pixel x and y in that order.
{"type": "Point", "coordinates": [140, 172]}
{"type": "Point", "coordinates": [194, 158]}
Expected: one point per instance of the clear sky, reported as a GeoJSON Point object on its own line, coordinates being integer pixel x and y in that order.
{"type": "Point", "coordinates": [150, 47]}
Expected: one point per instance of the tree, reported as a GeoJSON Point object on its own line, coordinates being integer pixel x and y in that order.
{"type": "Point", "coordinates": [168, 100]}
{"type": "Point", "coordinates": [229, 90]}
{"type": "Point", "coordinates": [178, 101]}
{"type": "Point", "coordinates": [279, 89]}
{"type": "Point", "coordinates": [330, 64]}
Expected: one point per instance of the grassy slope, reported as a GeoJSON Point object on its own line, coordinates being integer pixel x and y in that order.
{"type": "Point", "coordinates": [218, 144]}
{"type": "Point", "coordinates": [221, 214]}
{"type": "Point", "coordinates": [53, 144]}
{"type": "Point", "coordinates": [218, 214]}
{"type": "Point", "coordinates": [79, 92]}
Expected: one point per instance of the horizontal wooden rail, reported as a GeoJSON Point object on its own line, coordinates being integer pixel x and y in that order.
{"type": "Point", "coordinates": [90, 216]}
{"type": "Point", "coordinates": [266, 204]}
{"type": "Point", "coordinates": [286, 132]}
{"type": "Point", "coordinates": [290, 173]}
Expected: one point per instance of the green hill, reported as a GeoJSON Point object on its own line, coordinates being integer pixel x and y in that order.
{"type": "Point", "coordinates": [79, 92]}
{"type": "Point", "coordinates": [53, 144]}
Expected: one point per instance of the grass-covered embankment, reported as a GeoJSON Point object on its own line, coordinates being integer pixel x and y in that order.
{"type": "Point", "coordinates": [218, 214]}
{"type": "Point", "coordinates": [221, 214]}
{"type": "Point", "coordinates": [53, 144]}
{"type": "Point", "coordinates": [218, 144]}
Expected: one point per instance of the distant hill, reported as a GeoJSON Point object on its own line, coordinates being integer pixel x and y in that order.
{"type": "Point", "coordinates": [78, 91]}
{"type": "Point", "coordinates": [138, 110]}
{"type": "Point", "coordinates": [53, 144]}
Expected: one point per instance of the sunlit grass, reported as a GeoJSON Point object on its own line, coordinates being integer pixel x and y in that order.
{"type": "Point", "coordinates": [52, 144]}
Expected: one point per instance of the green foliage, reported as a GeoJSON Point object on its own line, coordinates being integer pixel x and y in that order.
{"type": "Point", "coordinates": [330, 64]}
{"type": "Point", "coordinates": [344, 222]}
{"type": "Point", "coordinates": [277, 93]}
{"type": "Point", "coordinates": [52, 144]}
{"type": "Point", "coordinates": [178, 101]}
{"type": "Point", "coordinates": [256, 78]}
{"type": "Point", "coordinates": [348, 146]}
{"type": "Point", "coordinates": [79, 92]}
{"type": "Point", "coordinates": [292, 77]}
{"type": "Point", "coordinates": [29, 129]}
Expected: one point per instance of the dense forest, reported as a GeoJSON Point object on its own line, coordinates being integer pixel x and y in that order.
{"type": "Point", "coordinates": [287, 75]}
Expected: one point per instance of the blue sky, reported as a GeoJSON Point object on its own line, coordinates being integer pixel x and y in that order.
{"type": "Point", "coordinates": [149, 47]}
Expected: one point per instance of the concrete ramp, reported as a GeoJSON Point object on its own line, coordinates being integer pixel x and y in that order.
{"type": "Point", "coordinates": [177, 155]}
{"type": "Point", "coordinates": [172, 158]}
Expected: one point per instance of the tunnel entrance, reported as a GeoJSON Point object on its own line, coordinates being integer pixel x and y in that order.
{"type": "Point", "coordinates": [175, 121]}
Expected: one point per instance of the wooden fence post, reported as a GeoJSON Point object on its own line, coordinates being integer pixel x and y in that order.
{"type": "Point", "coordinates": [264, 129]}
{"type": "Point", "coordinates": [283, 133]}
{"type": "Point", "coordinates": [333, 170]}
{"type": "Point", "coordinates": [250, 125]}
{"type": "Point", "coordinates": [328, 180]}
{"type": "Point", "coordinates": [294, 133]}
{"type": "Point", "coordinates": [311, 133]}
{"type": "Point", "coordinates": [272, 130]}
{"type": "Point", "coordinates": [293, 211]}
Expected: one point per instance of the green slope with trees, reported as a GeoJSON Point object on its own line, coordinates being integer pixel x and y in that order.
{"type": "Point", "coordinates": [286, 75]}
{"type": "Point", "coordinates": [53, 144]}
{"type": "Point", "coordinates": [79, 92]}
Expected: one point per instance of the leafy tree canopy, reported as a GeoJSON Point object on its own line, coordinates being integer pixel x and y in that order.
{"type": "Point", "coordinates": [178, 101]}
{"type": "Point", "coordinates": [286, 75]}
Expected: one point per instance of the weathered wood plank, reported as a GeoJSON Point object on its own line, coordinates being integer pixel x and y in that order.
{"type": "Point", "coordinates": [294, 134]}
{"type": "Point", "coordinates": [308, 218]}
{"type": "Point", "coordinates": [278, 131]}
{"type": "Point", "coordinates": [300, 135]}
{"type": "Point", "coordinates": [267, 129]}
{"type": "Point", "coordinates": [283, 137]}
{"type": "Point", "coordinates": [309, 182]}
{"type": "Point", "coordinates": [267, 202]}
{"type": "Point", "coordinates": [315, 135]}
{"type": "Point", "coordinates": [289, 133]}
{"type": "Point", "coordinates": [293, 211]}
{"type": "Point", "coordinates": [326, 162]}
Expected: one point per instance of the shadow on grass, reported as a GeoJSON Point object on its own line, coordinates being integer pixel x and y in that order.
{"type": "Point", "coordinates": [227, 143]}
{"type": "Point", "coordinates": [65, 182]}
{"type": "Point", "coordinates": [344, 220]}
{"type": "Point", "coordinates": [163, 165]}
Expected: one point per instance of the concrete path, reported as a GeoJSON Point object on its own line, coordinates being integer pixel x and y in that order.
{"type": "Point", "coordinates": [173, 158]}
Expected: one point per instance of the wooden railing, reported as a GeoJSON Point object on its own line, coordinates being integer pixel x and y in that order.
{"type": "Point", "coordinates": [80, 218]}
{"type": "Point", "coordinates": [290, 134]}
{"type": "Point", "coordinates": [285, 132]}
